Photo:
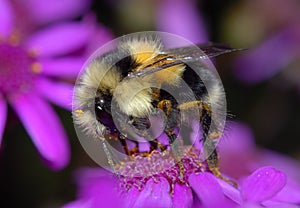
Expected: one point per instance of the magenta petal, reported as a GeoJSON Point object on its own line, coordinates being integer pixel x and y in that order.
{"type": "Point", "coordinates": [130, 197]}
{"type": "Point", "coordinates": [231, 192]}
{"type": "Point", "coordinates": [263, 184]}
{"type": "Point", "coordinates": [181, 17]}
{"type": "Point", "coordinates": [98, 186]}
{"type": "Point", "coordinates": [6, 19]}
{"type": "Point", "coordinates": [58, 93]}
{"type": "Point", "coordinates": [276, 204]}
{"type": "Point", "coordinates": [155, 194]}
{"type": "Point", "coordinates": [238, 144]}
{"type": "Point", "coordinates": [279, 161]}
{"type": "Point", "coordinates": [62, 67]}
{"type": "Point", "coordinates": [290, 193]}
{"type": "Point", "coordinates": [232, 141]}
{"type": "Point", "coordinates": [44, 127]}
{"type": "Point", "coordinates": [60, 39]}
{"type": "Point", "coordinates": [48, 11]}
{"type": "Point", "coordinates": [182, 196]}
{"type": "Point", "coordinates": [208, 190]}
{"type": "Point", "coordinates": [101, 36]}
{"type": "Point", "coordinates": [3, 115]}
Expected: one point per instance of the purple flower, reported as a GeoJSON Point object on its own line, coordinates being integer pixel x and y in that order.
{"type": "Point", "coordinates": [271, 33]}
{"type": "Point", "coordinates": [32, 67]}
{"type": "Point", "coordinates": [34, 13]}
{"type": "Point", "coordinates": [271, 56]}
{"type": "Point", "coordinates": [155, 181]}
{"type": "Point", "coordinates": [182, 18]}
{"type": "Point", "coordinates": [244, 151]}
{"type": "Point", "coordinates": [238, 148]}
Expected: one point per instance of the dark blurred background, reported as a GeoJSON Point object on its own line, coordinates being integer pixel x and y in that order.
{"type": "Point", "coordinates": [270, 107]}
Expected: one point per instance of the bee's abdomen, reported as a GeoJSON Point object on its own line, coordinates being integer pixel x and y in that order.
{"type": "Point", "coordinates": [194, 81]}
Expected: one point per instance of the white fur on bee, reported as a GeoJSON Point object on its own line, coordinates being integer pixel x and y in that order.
{"type": "Point", "coordinates": [101, 76]}
{"type": "Point", "coordinates": [87, 120]}
{"type": "Point", "coordinates": [134, 97]}
{"type": "Point", "coordinates": [141, 44]}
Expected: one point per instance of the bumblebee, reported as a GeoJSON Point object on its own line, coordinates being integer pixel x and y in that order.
{"type": "Point", "coordinates": [119, 91]}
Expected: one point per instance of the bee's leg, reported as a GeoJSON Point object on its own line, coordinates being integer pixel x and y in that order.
{"type": "Point", "coordinates": [171, 124]}
{"type": "Point", "coordinates": [210, 130]}
{"type": "Point", "coordinates": [135, 150]}
{"type": "Point", "coordinates": [122, 139]}
{"type": "Point", "coordinates": [176, 152]}
{"type": "Point", "coordinates": [209, 143]}
{"type": "Point", "coordinates": [155, 144]}
{"type": "Point", "coordinates": [210, 134]}
{"type": "Point", "coordinates": [204, 109]}
{"type": "Point", "coordinates": [108, 154]}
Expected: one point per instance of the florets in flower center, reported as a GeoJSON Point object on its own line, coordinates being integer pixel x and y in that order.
{"type": "Point", "coordinates": [136, 172]}
{"type": "Point", "coordinates": [16, 69]}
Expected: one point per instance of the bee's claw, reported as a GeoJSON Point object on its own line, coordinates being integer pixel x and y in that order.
{"type": "Point", "coordinates": [217, 173]}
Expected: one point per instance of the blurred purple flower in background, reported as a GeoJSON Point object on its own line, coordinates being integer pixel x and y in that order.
{"type": "Point", "coordinates": [272, 55]}
{"type": "Point", "coordinates": [32, 14]}
{"type": "Point", "coordinates": [182, 18]}
{"type": "Point", "coordinates": [259, 184]}
{"type": "Point", "coordinates": [273, 36]}
{"type": "Point", "coordinates": [35, 61]}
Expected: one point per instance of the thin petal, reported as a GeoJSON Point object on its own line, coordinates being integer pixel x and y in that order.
{"type": "Point", "coordinates": [101, 34]}
{"type": "Point", "coordinates": [91, 181]}
{"type": "Point", "coordinates": [279, 161]}
{"type": "Point", "coordinates": [231, 192]}
{"type": "Point", "coordinates": [181, 17]}
{"type": "Point", "coordinates": [44, 127]}
{"type": "Point", "coordinates": [251, 205]}
{"type": "Point", "coordinates": [263, 184]}
{"type": "Point", "coordinates": [98, 186]}
{"type": "Point", "coordinates": [182, 196]}
{"type": "Point", "coordinates": [3, 115]}
{"type": "Point", "coordinates": [276, 204]}
{"type": "Point", "coordinates": [62, 67]}
{"type": "Point", "coordinates": [130, 197]}
{"type": "Point", "coordinates": [58, 93]}
{"type": "Point", "coordinates": [48, 11]}
{"type": "Point", "coordinates": [208, 190]}
{"type": "Point", "coordinates": [154, 194]}
{"type": "Point", "coordinates": [6, 19]}
{"type": "Point", "coordinates": [100, 37]}
{"type": "Point", "coordinates": [60, 39]}
{"type": "Point", "coordinates": [290, 193]}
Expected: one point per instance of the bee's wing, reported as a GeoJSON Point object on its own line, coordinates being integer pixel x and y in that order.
{"type": "Point", "coordinates": [207, 50]}
{"type": "Point", "coordinates": [187, 54]}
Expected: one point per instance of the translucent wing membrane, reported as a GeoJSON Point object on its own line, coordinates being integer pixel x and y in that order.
{"type": "Point", "coordinates": [207, 50]}
{"type": "Point", "coordinates": [175, 56]}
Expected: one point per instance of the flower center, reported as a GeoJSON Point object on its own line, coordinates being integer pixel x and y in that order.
{"type": "Point", "coordinates": [17, 69]}
{"type": "Point", "coordinates": [136, 172]}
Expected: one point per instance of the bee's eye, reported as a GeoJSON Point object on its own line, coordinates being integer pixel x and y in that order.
{"type": "Point", "coordinates": [102, 103]}
{"type": "Point", "coordinates": [99, 103]}
{"type": "Point", "coordinates": [103, 112]}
